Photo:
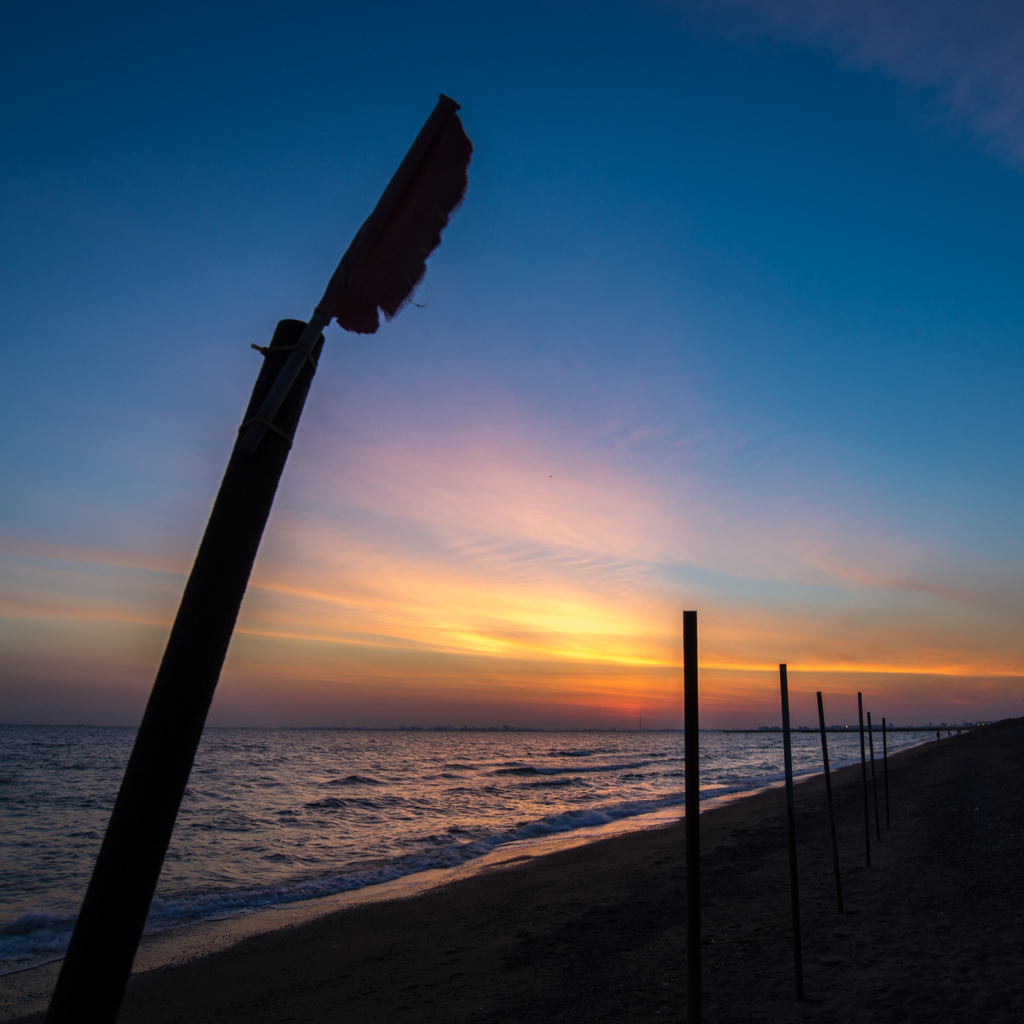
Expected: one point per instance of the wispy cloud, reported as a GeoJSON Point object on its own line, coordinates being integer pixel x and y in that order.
{"type": "Point", "coordinates": [500, 562]}
{"type": "Point", "coordinates": [499, 542]}
{"type": "Point", "coordinates": [970, 54]}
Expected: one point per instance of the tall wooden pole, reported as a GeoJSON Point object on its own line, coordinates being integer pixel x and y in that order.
{"type": "Point", "coordinates": [794, 887]}
{"type": "Point", "coordinates": [384, 263]}
{"type": "Point", "coordinates": [864, 781]}
{"type": "Point", "coordinates": [691, 736]}
{"type": "Point", "coordinates": [99, 957]}
{"type": "Point", "coordinates": [885, 771]}
{"type": "Point", "coordinates": [831, 809]}
{"type": "Point", "coordinates": [874, 779]}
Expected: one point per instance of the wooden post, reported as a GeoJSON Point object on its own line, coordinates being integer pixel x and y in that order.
{"type": "Point", "coordinates": [691, 735]}
{"type": "Point", "coordinates": [385, 261]}
{"type": "Point", "coordinates": [794, 888]}
{"type": "Point", "coordinates": [864, 781]}
{"type": "Point", "coordinates": [831, 809]}
{"type": "Point", "coordinates": [874, 778]}
{"type": "Point", "coordinates": [885, 771]}
{"type": "Point", "coordinates": [99, 957]}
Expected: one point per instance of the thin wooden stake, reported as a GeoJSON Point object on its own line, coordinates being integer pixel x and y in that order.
{"type": "Point", "coordinates": [794, 887]}
{"type": "Point", "coordinates": [691, 735]}
{"type": "Point", "coordinates": [885, 771]}
{"type": "Point", "coordinates": [864, 781]}
{"type": "Point", "coordinates": [874, 778]}
{"type": "Point", "coordinates": [831, 809]}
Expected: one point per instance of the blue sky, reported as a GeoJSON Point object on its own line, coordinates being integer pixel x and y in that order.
{"type": "Point", "coordinates": [730, 319]}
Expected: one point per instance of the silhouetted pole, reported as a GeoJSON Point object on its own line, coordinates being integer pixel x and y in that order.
{"type": "Point", "coordinates": [874, 778]}
{"type": "Point", "coordinates": [386, 260]}
{"type": "Point", "coordinates": [794, 889]}
{"type": "Point", "coordinates": [885, 771]}
{"type": "Point", "coordinates": [831, 809]}
{"type": "Point", "coordinates": [113, 913]}
{"type": "Point", "coordinates": [691, 735]}
{"type": "Point", "coordinates": [864, 780]}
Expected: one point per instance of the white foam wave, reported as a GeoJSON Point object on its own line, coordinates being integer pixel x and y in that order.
{"type": "Point", "coordinates": [530, 769]}
{"type": "Point", "coordinates": [35, 936]}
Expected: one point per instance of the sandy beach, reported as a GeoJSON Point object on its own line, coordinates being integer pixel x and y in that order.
{"type": "Point", "coordinates": [596, 933]}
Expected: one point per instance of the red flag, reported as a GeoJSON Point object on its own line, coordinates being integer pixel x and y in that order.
{"type": "Point", "coordinates": [388, 256]}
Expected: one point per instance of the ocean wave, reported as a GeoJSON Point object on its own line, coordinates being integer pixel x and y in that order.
{"type": "Point", "coordinates": [183, 909]}
{"type": "Point", "coordinates": [541, 783]}
{"type": "Point", "coordinates": [529, 769]}
{"type": "Point", "coordinates": [356, 780]}
{"type": "Point", "coordinates": [35, 936]}
{"type": "Point", "coordinates": [365, 831]}
{"type": "Point", "coordinates": [337, 802]}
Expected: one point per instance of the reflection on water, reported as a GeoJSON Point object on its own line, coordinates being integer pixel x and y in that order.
{"type": "Point", "coordinates": [291, 814]}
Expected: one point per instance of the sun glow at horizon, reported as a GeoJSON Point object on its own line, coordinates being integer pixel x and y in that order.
{"type": "Point", "coordinates": [497, 588]}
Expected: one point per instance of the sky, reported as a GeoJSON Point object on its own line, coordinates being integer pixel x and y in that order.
{"type": "Point", "coordinates": [730, 320]}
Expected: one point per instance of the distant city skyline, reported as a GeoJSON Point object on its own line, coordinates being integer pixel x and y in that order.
{"type": "Point", "coordinates": [730, 320]}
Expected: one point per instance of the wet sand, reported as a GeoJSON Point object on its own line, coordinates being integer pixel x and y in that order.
{"type": "Point", "coordinates": [596, 932]}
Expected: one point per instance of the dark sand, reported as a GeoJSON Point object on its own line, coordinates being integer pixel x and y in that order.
{"type": "Point", "coordinates": [596, 933]}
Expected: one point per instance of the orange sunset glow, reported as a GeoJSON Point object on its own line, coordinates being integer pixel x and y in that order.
{"type": "Point", "coordinates": [741, 337]}
{"type": "Point", "coordinates": [428, 585]}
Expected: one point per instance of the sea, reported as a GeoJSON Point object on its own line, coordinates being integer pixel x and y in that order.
{"type": "Point", "coordinates": [279, 816]}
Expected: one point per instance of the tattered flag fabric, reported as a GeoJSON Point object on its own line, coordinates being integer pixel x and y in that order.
{"type": "Point", "coordinates": [387, 258]}
{"type": "Point", "coordinates": [396, 261]}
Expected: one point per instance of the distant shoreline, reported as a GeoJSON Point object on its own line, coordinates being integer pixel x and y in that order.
{"type": "Point", "coordinates": [856, 728]}
{"type": "Point", "coordinates": [497, 728]}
